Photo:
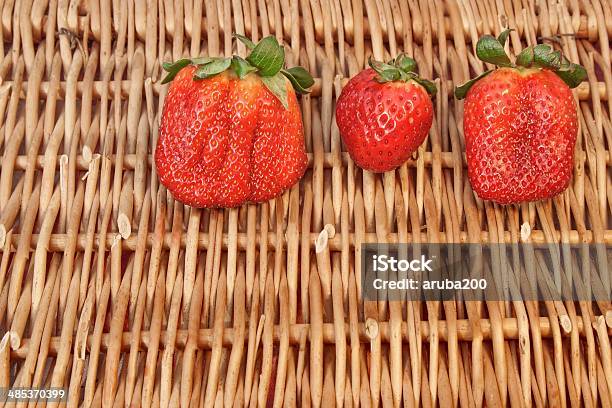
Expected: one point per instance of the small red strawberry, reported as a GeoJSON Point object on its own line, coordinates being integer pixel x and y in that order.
{"type": "Point", "coordinates": [520, 123]}
{"type": "Point", "coordinates": [231, 128]}
{"type": "Point", "coordinates": [384, 114]}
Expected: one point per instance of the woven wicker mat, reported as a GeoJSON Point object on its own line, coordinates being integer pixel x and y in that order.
{"type": "Point", "coordinates": [112, 290]}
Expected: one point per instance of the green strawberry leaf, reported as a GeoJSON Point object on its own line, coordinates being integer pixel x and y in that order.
{"type": "Point", "coordinates": [173, 68]}
{"type": "Point", "coordinates": [178, 64]}
{"type": "Point", "coordinates": [541, 56]}
{"type": "Point", "coordinates": [389, 75]}
{"type": "Point", "coordinates": [267, 56]}
{"type": "Point", "coordinates": [402, 68]}
{"type": "Point", "coordinates": [386, 72]}
{"type": "Point", "coordinates": [429, 86]}
{"type": "Point", "coordinates": [216, 66]}
{"type": "Point", "coordinates": [525, 58]}
{"type": "Point", "coordinates": [489, 49]}
{"type": "Point", "coordinates": [545, 57]}
{"type": "Point", "coordinates": [201, 60]}
{"type": "Point", "coordinates": [503, 36]}
{"type": "Point", "coordinates": [245, 40]}
{"type": "Point", "coordinates": [405, 63]}
{"type": "Point", "coordinates": [267, 59]}
{"type": "Point", "coordinates": [241, 67]}
{"type": "Point", "coordinates": [462, 90]}
{"type": "Point", "coordinates": [572, 75]}
{"type": "Point", "coordinates": [299, 78]}
{"type": "Point", "coordinates": [379, 66]}
{"type": "Point", "coordinates": [277, 85]}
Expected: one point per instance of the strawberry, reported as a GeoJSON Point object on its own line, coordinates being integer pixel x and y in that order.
{"type": "Point", "coordinates": [384, 114]}
{"type": "Point", "coordinates": [520, 123]}
{"type": "Point", "coordinates": [231, 128]}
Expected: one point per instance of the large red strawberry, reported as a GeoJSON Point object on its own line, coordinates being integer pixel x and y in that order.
{"type": "Point", "coordinates": [231, 129]}
{"type": "Point", "coordinates": [384, 114]}
{"type": "Point", "coordinates": [520, 123]}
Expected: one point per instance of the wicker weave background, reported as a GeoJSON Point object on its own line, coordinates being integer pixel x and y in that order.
{"type": "Point", "coordinates": [112, 289]}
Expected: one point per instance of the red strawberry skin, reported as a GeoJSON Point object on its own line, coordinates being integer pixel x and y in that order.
{"type": "Point", "coordinates": [382, 124]}
{"type": "Point", "coordinates": [520, 131]}
{"type": "Point", "coordinates": [224, 141]}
